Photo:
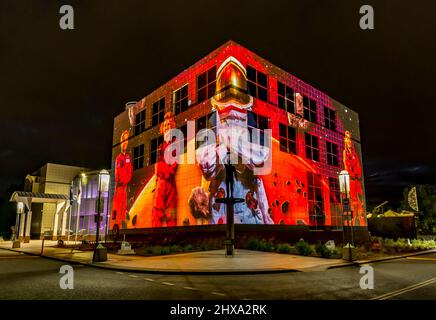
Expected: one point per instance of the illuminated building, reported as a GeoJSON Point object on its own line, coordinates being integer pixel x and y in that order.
{"type": "Point", "coordinates": [53, 197]}
{"type": "Point", "coordinates": [313, 138]}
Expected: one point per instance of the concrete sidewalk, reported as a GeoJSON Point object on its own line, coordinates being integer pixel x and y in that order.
{"type": "Point", "coordinates": [203, 262]}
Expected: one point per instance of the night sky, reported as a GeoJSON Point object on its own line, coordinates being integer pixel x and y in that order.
{"type": "Point", "coordinates": [60, 90]}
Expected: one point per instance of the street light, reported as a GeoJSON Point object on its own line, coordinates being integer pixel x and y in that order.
{"type": "Point", "coordinates": [100, 252]}
{"type": "Point", "coordinates": [344, 186]}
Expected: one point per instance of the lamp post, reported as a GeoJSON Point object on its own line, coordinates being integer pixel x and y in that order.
{"type": "Point", "coordinates": [344, 186]}
{"type": "Point", "coordinates": [100, 252]}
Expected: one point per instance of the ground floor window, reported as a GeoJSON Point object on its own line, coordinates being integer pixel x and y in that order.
{"type": "Point", "coordinates": [315, 201]}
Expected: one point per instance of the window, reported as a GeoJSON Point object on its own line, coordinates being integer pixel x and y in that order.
{"type": "Point", "coordinates": [309, 107]}
{"type": "Point", "coordinates": [315, 200]}
{"type": "Point", "coordinates": [329, 119]}
{"type": "Point", "coordinates": [335, 203]}
{"type": "Point", "coordinates": [158, 112]}
{"type": "Point", "coordinates": [332, 154]}
{"type": "Point", "coordinates": [285, 97]}
{"type": "Point", "coordinates": [257, 84]}
{"type": "Point", "coordinates": [155, 146]}
{"type": "Point", "coordinates": [180, 98]}
{"type": "Point", "coordinates": [138, 157]}
{"type": "Point", "coordinates": [140, 122]}
{"type": "Point", "coordinates": [206, 84]}
{"type": "Point", "coordinates": [288, 138]}
{"type": "Point", "coordinates": [312, 147]}
{"type": "Point", "coordinates": [206, 122]}
{"type": "Point", "coordinates": [257, 123]}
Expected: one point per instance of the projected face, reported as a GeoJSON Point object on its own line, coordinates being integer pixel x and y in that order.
{"type": "Point", "coordinates": [124, 141]}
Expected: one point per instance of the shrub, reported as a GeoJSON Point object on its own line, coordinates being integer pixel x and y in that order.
{"type": "Point", "coordinates": [176, 248]}
{"type": "Point", "coordinates": [304, 248]}
{"type": "Point", "coordinates": [323, 251]}
{"type": "Point", "coordinates": [284, 248]}
{"type": "Point", "coordinates": [253, 244]}
{"type": "Point", "coordinates": [164, 250]}
{"type": "Point", "coordinates": [188, 247]}
{"type": "Point", "coordinates": [267, 246]}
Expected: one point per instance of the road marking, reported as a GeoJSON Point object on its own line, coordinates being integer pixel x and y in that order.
{"type": "Point", "coordinates": [119, 272]}
{"type": "Point", "coordinates": [148, 279]}
{"type": "Point", "coordinates": [404, 290]}
{"type": "Point", "coordinates": [189, 288]}
{"type": "Point", "coordinates": [168, 283]}
{"type": "Point", "coordinates": [18, 257]}
{"type": "Point", "coordinates": [218, 293]}
{"type": "Point", "coordinates": [418, 258]}
{"type": "Point", "coordinates": [133, 276]}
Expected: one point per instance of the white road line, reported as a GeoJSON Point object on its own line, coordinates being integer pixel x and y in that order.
{"type": "Point", "coordinates": [168, 283]}
{"type": "Point", "coordinates": [189, 288]}
{"type": "Point", "coordinates": [218, 293]}
{"type": "Point", "coordinates": [148, 279]}
{"type": "Point", "coordinates": [404, 290]}
{"type": "Point", "coordinates": [119, 272]}
{"type": "Point", "coordinates": [133, 275]}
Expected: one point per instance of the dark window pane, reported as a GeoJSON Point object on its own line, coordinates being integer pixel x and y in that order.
{"type": "Point", "coordinates": [263, 94]}
{"type": "Point", "coordinates": [282, 130]}
{"type": "Point", "coordinates": [290, 106]}
{"type": "Point", "coordinates": [280, 88]}
{"type": "Point", "coordinates": [201, 80]}
{"type": "Point", "coordinates": [211, 90]}
{"type": "Point", "coordinates": [262, 79]}
{"type": "Point", "coordinates": [283, 145]}
{"type": "Point", "coordinates": [211, 74]}
{"type": "Point", "coordinates": [289, 93]}
{"type": "Point", "coordinates": [282, 103]}
{"type": "Point", "coordinates": [185, 91]}
{"type": "Point", "coordinates": [252, 89]}
{"type": "Point", "coordinates": [252, 121]}
{"type": "Point", "coordinates": [202, 95]}
{"type": "Point", "coordinates": [251, 74]}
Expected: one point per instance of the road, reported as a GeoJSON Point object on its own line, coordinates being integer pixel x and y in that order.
{"type": "Point", "coordinates": [30, 277]}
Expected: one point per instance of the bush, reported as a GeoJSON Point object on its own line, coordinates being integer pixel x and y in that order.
{"type": "Point", "coordinates": [284, 248]}
{"type": "Point", "coordinates": [188, 248]}
{"type": "Point", "coordinates": [252, 244]}
{"type": "Point", "coordinates": [267, 246]}
{"type": "Point", "coordinates": [304, 248]}
{"type": "Point", "coordinates": [323, 251]}
{"type": "Point", "coordinates": [204, 247]}
{"type": "Point", "coordinates": [423, 244]}
{"type": "Point", "coordinates": [176, 248]}
{"type": "Point", "coordinates": [164, 250]}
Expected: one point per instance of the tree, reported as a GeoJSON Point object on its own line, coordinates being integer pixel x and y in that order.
{"type": "Point", "coordinates": [8, 211]}
{"type": "Point", "coordinates": [427, 207]}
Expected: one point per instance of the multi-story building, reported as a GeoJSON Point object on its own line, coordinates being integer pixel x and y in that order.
{"type": "Point", "coordinates": [236, 94]}
{"type": "Point", "coordinates": [59, 200]}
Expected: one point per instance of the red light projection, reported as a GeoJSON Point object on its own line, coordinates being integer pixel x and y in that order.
{"type": "Point", "coordinates": [298, 190]}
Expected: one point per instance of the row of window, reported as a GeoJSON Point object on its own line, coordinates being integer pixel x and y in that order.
{"type": "Point", "coordinates": [258, 123]}
{"type": "Point", "coordinates": [257, 87]}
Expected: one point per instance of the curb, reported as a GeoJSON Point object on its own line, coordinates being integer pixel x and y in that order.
{"type": "Point", "coordinates": [360, 262]}
{"type": "Point", "coordinates": [163, 271]}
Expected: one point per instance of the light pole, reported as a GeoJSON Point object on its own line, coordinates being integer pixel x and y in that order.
{"type": "Point", "coordinates": [344, 186]}
{"type": "Point", "coordinates": [100, 252]}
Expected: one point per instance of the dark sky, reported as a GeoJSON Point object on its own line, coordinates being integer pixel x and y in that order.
{"type": "Point", "coordinates": [60, 90]}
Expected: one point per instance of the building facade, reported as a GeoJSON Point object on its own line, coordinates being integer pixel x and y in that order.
{"type": "Point", "coordinates": [226, 106]}
{"type": "Point", "coordinates": [60, 201]}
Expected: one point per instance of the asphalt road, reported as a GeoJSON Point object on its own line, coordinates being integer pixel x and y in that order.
{"type": "Point", "coordinates": [29, 277]}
